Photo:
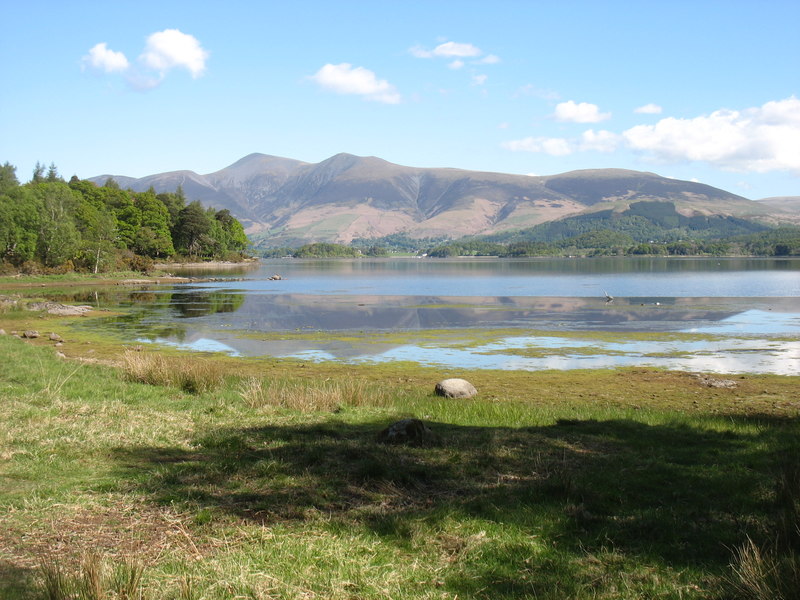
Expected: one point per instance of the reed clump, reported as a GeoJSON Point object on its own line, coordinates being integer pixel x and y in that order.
{"type": "Point", "coordinates": [193, 375]}
{"type": "Point", "coordinates": [325, 395]}
{"type": "Point", "coordinates": [771, 571]}
{"type": "Point", "coordinates": [94, 580]}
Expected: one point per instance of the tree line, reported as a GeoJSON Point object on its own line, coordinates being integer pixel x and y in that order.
{"type": "Point", "coordinates": [50, 225]}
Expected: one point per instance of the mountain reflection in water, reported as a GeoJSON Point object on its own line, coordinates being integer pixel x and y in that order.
{"type": "Point", "coordinates": [747, 335]}
{"type": "Point", "coordinates": [722, 315]}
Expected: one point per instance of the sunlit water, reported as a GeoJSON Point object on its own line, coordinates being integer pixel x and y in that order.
{"type": "Point", "coordinates": [745, 313]}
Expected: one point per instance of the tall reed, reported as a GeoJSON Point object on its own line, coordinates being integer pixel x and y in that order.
{"type": "Point", "coordinates": [191, 374]}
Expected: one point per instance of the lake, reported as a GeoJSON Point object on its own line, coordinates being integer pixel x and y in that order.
{"type": "Point", "coordinates": [715, 315]}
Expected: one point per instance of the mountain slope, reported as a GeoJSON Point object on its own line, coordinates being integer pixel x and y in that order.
{"type": "Point", "coordinates": [286, 201]}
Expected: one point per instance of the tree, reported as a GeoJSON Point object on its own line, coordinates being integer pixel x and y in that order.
{"type": "Point", "coordinates": [153, 239]}
{"type": "Point", "coordinates": [229, 234]}
{"type": "Point", "coordinates": [58, 237]}
{"type": "Point", "coordinates": [192, 229]}
{"type": "Point", "coordinates": [8, 178]}
{"type": "Point", "coordinates": [38, 173]}
{"type": "Point", "coordinates": [19, 224]}
{"type": "Point", "coordinates": [52, 174]}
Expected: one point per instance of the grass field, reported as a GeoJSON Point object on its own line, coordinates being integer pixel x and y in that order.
{"type": "Point", "coordinates": [159, 475]}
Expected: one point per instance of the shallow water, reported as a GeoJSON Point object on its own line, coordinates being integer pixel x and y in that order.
{"type": "Point", "coordinates": [724, 316]}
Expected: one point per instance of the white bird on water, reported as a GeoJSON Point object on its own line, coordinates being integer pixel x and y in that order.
{"type": "Point", "coordinates": [609, 297]}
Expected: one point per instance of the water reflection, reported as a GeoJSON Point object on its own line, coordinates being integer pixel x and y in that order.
{"type": "Point", "coordinates": [198, 304]}
{"type": "Point", "coordinates": [740, 342]}
{"type": "Point", "coordinates": [357, 306]}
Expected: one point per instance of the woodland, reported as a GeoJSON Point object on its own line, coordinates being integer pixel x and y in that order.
{"type": "Point", "coordinates": [49, 225]}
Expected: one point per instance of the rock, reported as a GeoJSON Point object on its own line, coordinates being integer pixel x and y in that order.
{"type": "Point", "coordinates": [30, 334]}
{"type": "Point", "coordinates": [2, 331]}
{"type": "Point", "coordinates": [56, 308]}
{"type": "Point", "coordinates": [54, 337]}
{"type": "Point", "coordinates": [716, 383]}
{"type": "Point", "coordinates": [455, 388]}
{"type": "Point", "coordinates": [275, 278]}
{"type": "Point", "coordinates": [407, 431]}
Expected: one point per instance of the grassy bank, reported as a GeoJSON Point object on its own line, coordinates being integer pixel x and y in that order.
{"type": "Point", "coordinates": [204, 478]}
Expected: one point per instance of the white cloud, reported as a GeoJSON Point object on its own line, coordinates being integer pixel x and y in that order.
{"type": "Point", "coordinates": [164, 50]}
{"type": "Point", "coordinates": [344, 79]}
{"type": "Point", "coordinates": [580, 112]}
{"type": "Point", "coordinates": [551, 146]}
{"type": "Point", "coordinates": [172, 48]}
{"type": "Point", "coordinates": [454, 49]}
{"type": "Point", "coordinates": [649, 109]}
{"type": "Point", "coordinates": [758, 139]}
{"type": "Point", "coordinates": [599, 141]}
{"type": "Point", "coordinates": [590, 140]}
{"type": "Point", "coordinates": [457, 51]}
{"type": "Point", "coordinates": [420, 52]}
{"type": "Point", "coordinates": [103, 59]}
{"type": "Point", "coordinates": [489, 59]}
{"type": "Point", "coordinates": [479, 79]}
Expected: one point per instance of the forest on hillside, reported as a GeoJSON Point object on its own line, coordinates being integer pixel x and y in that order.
{"type": "Point", "coordinates": [49, 225]}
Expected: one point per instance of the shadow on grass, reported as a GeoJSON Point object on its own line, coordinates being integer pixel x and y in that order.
{"type": "Point", "coordinates": [677, 495]}
{"type": "Point", "coordinates": [17, 582]}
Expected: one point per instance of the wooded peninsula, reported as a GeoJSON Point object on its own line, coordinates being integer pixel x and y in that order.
{"type": "Point", "coordinates": [49, 225]}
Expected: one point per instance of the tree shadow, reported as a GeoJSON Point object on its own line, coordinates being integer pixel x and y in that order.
{"type": "Point", "coordinates": [674, 494]}
{"type": "Point", "coordinates": [17, 582]}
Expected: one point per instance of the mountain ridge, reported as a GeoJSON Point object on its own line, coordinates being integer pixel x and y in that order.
{"type": "Point", "coordinates": [284, 201]}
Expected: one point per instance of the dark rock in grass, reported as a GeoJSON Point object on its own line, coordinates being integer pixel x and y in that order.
{"type": "Point", "coordinates": [30, 334]}
{"type": "Point", "coordinates": [455, 388]}
{"type": "Point", "coordinates": [407, 431]}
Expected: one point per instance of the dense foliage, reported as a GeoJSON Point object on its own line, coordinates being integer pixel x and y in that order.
{"type": "Point", "coordinates": [652, 228]}
{"type": "Point", "coordinates": [48, 224]}
{"type": "Point", "coordinates": [325, 250]}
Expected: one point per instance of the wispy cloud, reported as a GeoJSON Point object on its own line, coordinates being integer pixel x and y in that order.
{"type": "Point", "coordinates": [649, 109]}
{"type": "Point", "coordinates": [164, 51]}
{"type": "Point", "coordinates": [580, 112]}
{"type": "Point", "coordinates": [448, 50]}
{"type": "Point", "coordinates": [589, 141]}
{"type": "Point", "coordinates": [458, 51]}
{"type": "Point", "coordinates": [535, 92]}
{"type": "Point", "coordinates": [544, 145]}
{"type": "Point", "coordinates": [346, 79]}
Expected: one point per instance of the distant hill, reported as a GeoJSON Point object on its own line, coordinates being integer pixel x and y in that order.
{"type": "Point", "coordinates": [789, 205]}
{"type": "Point", "coordinates": [282, 201]}
{"type": "Point", "coordinates": [643, 221]}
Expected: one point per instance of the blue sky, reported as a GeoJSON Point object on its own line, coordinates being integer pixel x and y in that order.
{"type": "Point", "coordinates": [706, 91]}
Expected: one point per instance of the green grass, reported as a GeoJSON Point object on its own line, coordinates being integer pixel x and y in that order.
{"type": "Point", "coordinates": [271, 483]}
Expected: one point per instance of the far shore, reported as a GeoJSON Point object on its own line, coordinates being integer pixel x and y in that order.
{"type": "Point", "coordinates": [161, 275]}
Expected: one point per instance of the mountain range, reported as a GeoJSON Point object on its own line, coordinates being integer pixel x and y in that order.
{"type": "Point", "coordinates": [282, 201]}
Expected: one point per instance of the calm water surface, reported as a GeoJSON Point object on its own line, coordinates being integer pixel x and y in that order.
{"type": "Point", "coordinates": [548, 313]}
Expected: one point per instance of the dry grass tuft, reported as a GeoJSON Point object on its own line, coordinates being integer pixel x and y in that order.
{"type": "Point", "coordinates": [95, 580]}
{"type": "Point", "coordinates": [190, 374]}
{"type": "Point", "coordinates": [321, 396]}
{"type": "Point", "coordinates": [764, 573]}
